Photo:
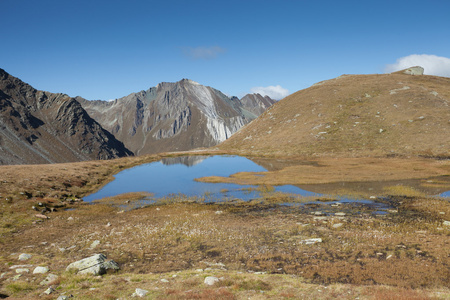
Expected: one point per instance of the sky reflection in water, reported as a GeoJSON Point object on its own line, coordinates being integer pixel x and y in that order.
{"type": "Point", "coordinates": [172, 176]}
{"type": "Point", "coordinates": [176, 175]}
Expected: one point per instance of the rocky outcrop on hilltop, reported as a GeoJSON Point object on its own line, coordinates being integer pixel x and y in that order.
{"type": "Point", "coordinates": [175, 116]}
{"type": "Point", "coordinates": [42, 127]}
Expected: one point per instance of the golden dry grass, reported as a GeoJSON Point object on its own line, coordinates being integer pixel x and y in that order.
{"type": "Point", "coordinates": [354, 115]}
{"type": "Point", "coordinates": [257, 247]}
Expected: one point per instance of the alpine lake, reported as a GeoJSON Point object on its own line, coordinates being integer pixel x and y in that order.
{"type": "Point", "coordinates": [175, 179]}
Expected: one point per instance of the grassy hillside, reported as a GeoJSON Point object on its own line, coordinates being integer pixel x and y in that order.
{"type": "Point", "coordinates": [355, 115]}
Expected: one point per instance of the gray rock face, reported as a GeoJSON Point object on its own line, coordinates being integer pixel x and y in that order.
{"type": "Point", "coordinates": [175, 116]}
{"type": "Point", "coordinates": [256, 104]}
{"type": "Point", "coordinates": [95, 265]}
{"type": "Point", "coordinates": [42, 127]}
{"type": "Point", "coordinates": [417, 70]}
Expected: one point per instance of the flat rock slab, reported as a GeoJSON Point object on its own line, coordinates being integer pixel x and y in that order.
{"type": "Point", "coordinates": [95, 265]}
{"type": "Point", "coordinates": [40, 270]}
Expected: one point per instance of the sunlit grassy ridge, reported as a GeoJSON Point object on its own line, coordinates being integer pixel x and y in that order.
{"type": "Point", "coordinates": [355, 115]}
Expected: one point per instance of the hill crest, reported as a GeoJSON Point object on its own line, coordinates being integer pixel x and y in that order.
{"type": "Point", "coordinates": [355, 115]}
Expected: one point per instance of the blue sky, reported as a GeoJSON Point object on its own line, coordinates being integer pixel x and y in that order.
{"type": "Point", "coordinates": [109, 49]}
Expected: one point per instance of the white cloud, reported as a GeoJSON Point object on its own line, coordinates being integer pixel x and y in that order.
{"type": "Point", "coordinates": [203, 52]}
{"type": "Point", "coordinates": [275, 92]}
{"type": "Point", "coordinates": [432, 64]}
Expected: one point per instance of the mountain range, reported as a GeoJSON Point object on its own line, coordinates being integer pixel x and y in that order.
{"type": "Point", "coordinates": [399, 114]}
{"type": "Point", "coordinates": [40, 127]}
{"type": "Point", "coordinates": [175, 116]}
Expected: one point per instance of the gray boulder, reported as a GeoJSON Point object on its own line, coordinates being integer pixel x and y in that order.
{"type": "Point", "coordinates": [40, 270]}
{"type": "Point", "coordinates": [211, 280]}
{"type": "Point", "coordinates": [95, 265]}
{"type": "Point", "coordinates": [417, 70]}
{"type": "Point", "coordinates": [139, 293]}
{"type": "Point", "coordinates": [24, 256]}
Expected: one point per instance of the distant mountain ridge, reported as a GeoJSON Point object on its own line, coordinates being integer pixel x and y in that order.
{"type": "Point", "coordinates": [175, 116]}
{"type": "Point", "coordinates": [403, 113]}
{"type": "Point", "coordinates": [42, 127]}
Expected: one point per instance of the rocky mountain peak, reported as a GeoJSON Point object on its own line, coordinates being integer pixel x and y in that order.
{"type": "Point", "coordinates": [174, 116]}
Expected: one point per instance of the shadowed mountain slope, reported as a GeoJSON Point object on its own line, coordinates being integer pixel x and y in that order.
{"type": "Point", "coordinates": [355, 115]}
{"type": "Point", "coordinates": [41, 127]}
{"type": "Point", "coordinates": [175, 116]}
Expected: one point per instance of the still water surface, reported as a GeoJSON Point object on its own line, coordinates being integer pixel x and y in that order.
{"type": "Point", "coordinates": [173, 176]}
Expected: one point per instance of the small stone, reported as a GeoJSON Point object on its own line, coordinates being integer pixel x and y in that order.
{"type": "Point", "coordinates": [63, 297]}
{"type": "Point", "coordinates": [24, 256]}
{"type": "Point", "coordinates": [389, 256]}
{"type": "Point", "coordinates": [95, 244]}
{"type": "Point", "coordinates": [49, 279]}
{"type": "Point", "coordinates": [15, 278]}
{"type": "Point", "coordinates": [139, 293]}
{"type": "Point", "coordinates": [41, 216]}
{"type": "Point", "coordinates": [311, 241]}
{"type": "Point", "coordinates": [108, 225]}
{"type": "Point", "coordinates": [373, 197]}
{"type": "Point", "coordinates": [318, 213]}
{"type": "Point", "coordinates": [40, 270]}
{"type": "Point", "coordinates": [446, 223]}
{"type": "Point", "coordinates": [164, 280]}
{"type": "Point", "coordinates": [219, 212]}
{"type": "Point", "coordinates": [442, 213]}
{"type": "Point", "coordinates": [340, 214]}
{"type": "Point", "coordinates": [211, 280]}
{"type": "Point", "coordinates": [22, 270]}
{"type": "Point", "coordinates": [337, 225]}
{"type": "Point", "coordinates": [70, 219]}
{"type": "Point", "coordinates": [49, 291]}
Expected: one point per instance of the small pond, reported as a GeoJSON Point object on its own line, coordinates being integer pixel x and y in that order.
{"type": "Point", "coordinates": [172, 176]}
{"type": "Point", "coordinates": [176, 176]}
